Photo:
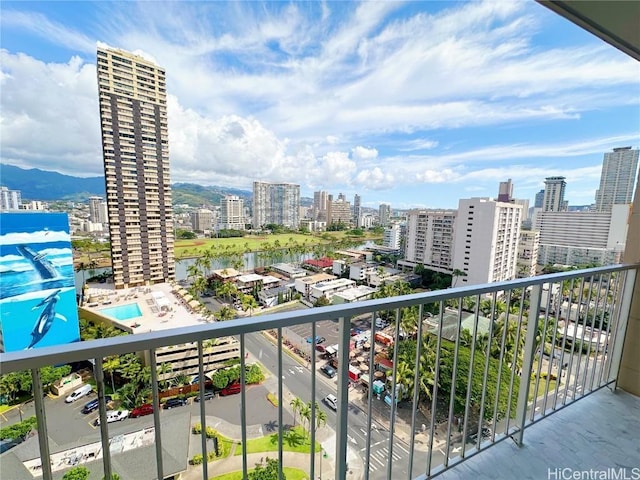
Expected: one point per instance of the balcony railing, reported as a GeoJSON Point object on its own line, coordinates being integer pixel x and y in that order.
{"type": "Point", "coordinates": [484, 363]}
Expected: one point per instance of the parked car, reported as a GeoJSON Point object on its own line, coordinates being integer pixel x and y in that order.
{"type": "Point", "coordinates": [321, 348]}
{"type": "Point", "coordinates": [142, 410]}
{"type": "Point", "coordinates": [355, 331]}
{"type": "Point", "coordinates": [331, 401]}
{"type": "Point", "coordinates": [175, 402]}
{"type": "Point", "coordinates": [328, 370]}
{"type": "Point", "coordinates": [93, 404]}
{"type": "Point", "coordinates": [79, 393]}
{"type": "Point", "coordinates": [114, 416]}
{"type": "Point", "coordinates": [319, 339]}
{"type": "Point", "coordinates": [380, 323]}
{"type": "Point", "coordinates": [231, 389]}
{"type": "Point", "coordinates": [208, 395]}
{"type": "Point", "coordinates": [8, 444]}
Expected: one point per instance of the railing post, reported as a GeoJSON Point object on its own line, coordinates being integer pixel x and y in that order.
{"type": "Point", "coordinates": [528, 355]}
{"type": "Point", "coordinates": [621, 320]}
{"type": "Point", "coordinates": [343, 397]}
{"type": "Point", "coordinates": [104, 429]}
{"type": "Point", "coordinates": [41, 418]}
{"type": "Point", "coordinates": [156, 412]}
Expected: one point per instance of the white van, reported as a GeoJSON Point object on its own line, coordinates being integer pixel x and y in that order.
{"type": "Point", "coordinates": [79, 393]}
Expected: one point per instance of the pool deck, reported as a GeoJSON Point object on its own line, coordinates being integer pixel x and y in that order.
{"type": "Point", "coordinates": [180, 313]}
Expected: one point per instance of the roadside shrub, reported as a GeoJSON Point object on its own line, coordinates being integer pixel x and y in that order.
{"type": "Point", "coordinates": [197, 459]}
{"type": "Point", "coordinates": [197, 428]}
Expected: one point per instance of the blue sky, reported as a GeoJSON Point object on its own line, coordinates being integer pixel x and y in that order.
{"type": "Point", "coordinates": [416, 104]}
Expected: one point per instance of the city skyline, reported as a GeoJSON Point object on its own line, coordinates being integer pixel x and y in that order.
{"type": "Point", "coordinates": [313, 94]}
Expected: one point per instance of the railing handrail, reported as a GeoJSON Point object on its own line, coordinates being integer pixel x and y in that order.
{"type": "Point", "coordinates": [100, 348]}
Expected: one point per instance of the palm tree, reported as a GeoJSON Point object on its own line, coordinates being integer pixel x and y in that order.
{"type": "Point", "coordinates": [110, 364]}
{"type": "Point", "coordinates": [296, 404]}
{"type": "Point", "coordinates": [305, 412]}
{"type": "Point", "coordinates": [249, 303]}
{"type": "Point", "coordinates": [457, 273]}
{"type": "Point", "coordinates": [226, 313]}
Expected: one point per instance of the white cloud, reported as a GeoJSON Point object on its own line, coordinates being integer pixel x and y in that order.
{"type": "Point", "coordinates": [437, 176]}
{"type": "Point", "coordinates": [375, 179]}
{"type": "Point", "coordinates": [364, 152]}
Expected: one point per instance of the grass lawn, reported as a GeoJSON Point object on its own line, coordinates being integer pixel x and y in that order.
{"type": "Point", "coordinates": [290, 473]}
{"type": "Point", "coordinates": [192, 248]}
{"type": "Point", "coordinates": [297, 442]}
{"type": "Point", "coordinates": [541, 387]}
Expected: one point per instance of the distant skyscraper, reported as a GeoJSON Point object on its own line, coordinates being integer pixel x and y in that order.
{"type": "Point", "coordinates": [392, 236]}
{"type": "Point", "coordinates": [357, 210]}
{"type": "Point", "coordinates": [539, 199]}
{"type": "Point", "coordinates": [338, 211]}
{"type": "Point", "coordinates": [232, 213]}
{"type": "Point", "coordinates": [505, 192]}
{"type": "Point", "coordinates": [10, 199]}
{"type": "Point", "coordinates": [617, 179]}
{"type": "Point", "coordinates": [97, 210]}
{"type": "Point", "coordinates": [202, 220]}
{"type": "Point", "coordinates": [554, 194]}
{"type": "Point", "coordinates": [384, 214]}
{"type": "Point", "coordinates": [135, 145]}
{"type": "Point", "coordinates": [277, 203]}
{"type": "Point", "coordinates": [320, 206]}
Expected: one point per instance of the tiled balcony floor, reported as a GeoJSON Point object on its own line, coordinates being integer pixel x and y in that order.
{"type": "Point", "coordinates": [599, 432]}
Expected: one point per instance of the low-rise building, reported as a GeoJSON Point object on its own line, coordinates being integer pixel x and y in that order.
{"type": "Point", "coordinates": [289, 270]}
{"type": "Point", "coordinates": [304, 285]}
{"type": "Point", "coordinates": [246, 283]}
{"type": "Point", "coordinates": [328, 288]}
{"type": "Point", "coordinates": [351, 295]}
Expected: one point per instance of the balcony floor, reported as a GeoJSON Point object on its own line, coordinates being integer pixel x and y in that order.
{"type": "Point", "coordinates": [597, 432]}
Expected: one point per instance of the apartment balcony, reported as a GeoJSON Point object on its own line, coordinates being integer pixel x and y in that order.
{"type": "Point", "coordinates": [487, 383]}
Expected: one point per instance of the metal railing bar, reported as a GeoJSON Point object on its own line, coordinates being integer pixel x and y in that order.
{"type": "Point", "coordinates": [453, 384]}
{"type": "Point", "coordinates": [102, 413]}
{"type": "Point", "coordinates": [591, 328]}
{"type": "Point", "coordinates": [567, 321]}
{"type": "Point", "coordinates": [552, 353]}
{"type": "Point", "coordinates": [584, 330]}
{"type": "Point", "coordinates": [313, 403]}
{"type": "Point", "coordinates": [156, 412]}
{"type": "Point", "coordinates": [394, 395]}
{"type": "Point", "coordinates": [608, 344]}
{"type": "Point", "coordinates": [573, 341]}
{"type": "Point", "coordinates": [243, 405]}
{"type": "Point", "coordinates": [540, 350]}
{"type": "Point", "coordinates": [416, 392]}
{"type": "Point", "coordinates": [602, 314]}
{"type": "Point", "coordinates": [203, 412]}
{"type": "Point", "coordinates": [486, 368]}
{"type": "Point", "coordinates": [514, 357]}
{"type": "Point", "coordinates": [280, 407]}
{"type": "Point", "coordinates": [22, 360]}
{"type": "Point", "coordinates": [372, 354]}
{"type": "Point", "coordinates": [41, 419]}
{"type": "Point", "coordinates": [344, 338]}
{"type": "Point", "coordinates": [434, 394]}
{"type": "Point", "coordinates": [527, 362]}
{"type": "Point", "coordinates": [505, 324]}
{"type": "Point", "coordinates": [470, 377]}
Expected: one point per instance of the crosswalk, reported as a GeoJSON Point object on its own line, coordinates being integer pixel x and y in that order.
{"type": "Point", "coordinates": [380, 456]}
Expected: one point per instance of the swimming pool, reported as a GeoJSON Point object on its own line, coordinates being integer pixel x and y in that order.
{"type": "Point", "coordinates": [123, 312]}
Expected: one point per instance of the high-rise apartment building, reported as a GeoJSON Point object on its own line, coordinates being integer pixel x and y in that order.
{"type": "Point", "coordinates": [392, 236]}
{"type": "Point", "coordinates": [320, 206]}
{"type": "Point", "coordinates": [338, 211]}
{"type": "Point", "coordinates": [539, 199]}
{"type": "Point", "coordinates": [617, 179]}
{"type": "Point", "coordinates": [430, 238]}
{"type": "Point", "coordinates": [553, 200]}
{"type": "Point", "coordinates": [357, 210]}
{"type": "Point", "coordinates": [135, 145]}
{"type": "Point", "coordinates": [232, 213]}
{"type": "Point", "coordinates": [97, 210]}
{"type": "Point", "coordinates": [277, 203]}
{"type": "Point", "coordinates": [202, 220]}
{"type": "Point", "coordinates": [10, 199]}
{"type": "Point", "coordinates": [384, 214]}
{"type": "Point", "coordinates": [486, 240]}
{"type": "Point", "coordinates": [527, 253]}
{"type": "Point", "coordinates": [505, 191]}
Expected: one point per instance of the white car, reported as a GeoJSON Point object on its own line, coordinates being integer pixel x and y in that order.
{"type": "Point", "coordinates": [331, 401]}
{"type": "Point", "coordinates": [114, 416]}
{"type": "Point", "coordinates": [79, 393]}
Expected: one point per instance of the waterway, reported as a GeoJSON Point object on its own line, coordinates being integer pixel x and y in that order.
{"type": "Point", "coordinates": [251, 261]}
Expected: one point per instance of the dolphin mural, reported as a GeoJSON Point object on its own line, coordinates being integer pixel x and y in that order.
{"type": "Point", "coordinates": [46, 318]}
{"type": "Point", "coordinates": [43, 266]}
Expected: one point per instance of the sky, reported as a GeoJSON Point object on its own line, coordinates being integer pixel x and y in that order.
{"type": "Point", "coordinates": [416, 104]}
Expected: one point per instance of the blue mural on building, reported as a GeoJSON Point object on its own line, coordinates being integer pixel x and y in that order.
{"type": "Point", "coordinates": [37, 288]}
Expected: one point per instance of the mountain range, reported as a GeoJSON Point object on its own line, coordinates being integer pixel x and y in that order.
{"type": "Point", "coordinates": [36, 184]}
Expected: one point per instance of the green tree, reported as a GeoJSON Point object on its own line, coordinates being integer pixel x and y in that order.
{"type": "Point", "coordinates": [296, 405]}
{"type": "Point", "coordinates": [249, 303]}
{"type": "Point", "coordinates": [226, 313]}
{"type": "Point", "coordinates": [77, 473]}
{"type": "Point", "coordinates": [267, 472]}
